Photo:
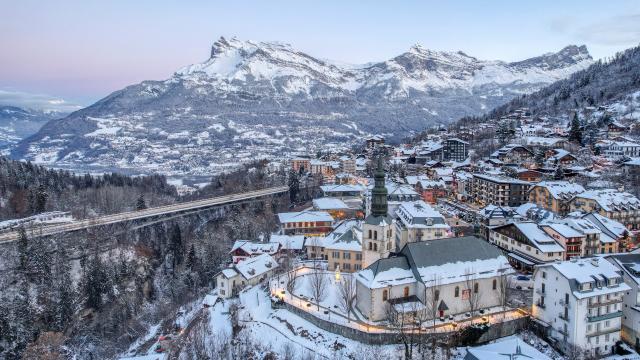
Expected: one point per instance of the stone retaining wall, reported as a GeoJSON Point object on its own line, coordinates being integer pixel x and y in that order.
{"type": "Point", "coordinates": [493, 332]}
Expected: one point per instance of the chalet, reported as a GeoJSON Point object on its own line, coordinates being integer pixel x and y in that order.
{"type": "Point", "coordinates": [631, 169]}
{"type": "Point", "coordinates": [291, 244]}
{"type": "Point", "coordinates": [613, 204]}
{"type": "Point", "coordinates": [429, 151]}
{"type": "Point", "coordinates": [527, 244]}
{"type": "Point", "coordinates": [554, 195]}
{"type": "Point", "coordinates": [528, 175]}
{"type": "Point", "coordinates": [615, 129]}
{"type": "Point", "coordinates": [249, 272]}
{"type": "Point", "coordinates": [614, 235]}
{"type": "Point", "coordinates": [243, 249]}
{"type": "Point", "coordinates": [513, 153]}
{"type": "Point", "coordinates": [337, 208]}
{"type": "Point", "coordinates": [546, 142]}
{"type": "Point", "coordinates": [573, 241]}
{"type": "Point", "coordinates": [374, 141]}
{"type": "Point", "coordinates": [431, 190]}
{"type": "Point", "coordinates": [310, 223]}
{"type": "Point", "coordinates": [491, 216]}
{"type": "Point", "coordinates": [560, 157]}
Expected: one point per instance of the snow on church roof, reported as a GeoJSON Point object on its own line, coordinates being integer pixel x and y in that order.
{"type": "Point", "coordinates": [448, 261]}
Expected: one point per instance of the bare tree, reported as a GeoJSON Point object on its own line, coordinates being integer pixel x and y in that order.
{"type": "Point", "coordinates": [234, 318]}
{"type": "Point", "coordinates": [290, 271]}
{"type": "Point", "coordinates": [397, 321]}
{"type": "Point", "coordinates": [472, 291]}
{"type": "Point", "coordinates": [432, 301]}
{"type": "Point", "coordinates": [503, 288]}
{"type": "Point", "coordinates": [347, 291]}
{"type": "Point", "coordinates": [319, 284]}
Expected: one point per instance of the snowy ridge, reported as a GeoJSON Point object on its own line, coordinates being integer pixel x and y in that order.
{"type": "Point", "coordinates": [419, 68]}
{"type": "Point", "coordinates": [267, 100]}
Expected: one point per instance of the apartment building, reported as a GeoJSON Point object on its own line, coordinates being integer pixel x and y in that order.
{"type": "Point", "coordinates": [418, 221]}
{"type": "Point", "coordinates": [611, 203]}
{"type": "Point", "coordinates": [454, 149]}
{"type": "Point", "coordinates": [581, 302]}
{"type": "Point", "coordinates": [344, 249]}
{"type": "Point", "coordinates": [554, 195]}
{"type": "Point", "coordinates": [629, 264]}
{"type": "Point", "coordinates": [499, 190]}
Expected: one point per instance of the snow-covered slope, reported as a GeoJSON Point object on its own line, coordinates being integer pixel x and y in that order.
{"type": "Point", "coordinates": [17, 123]}
{"type": "Point", "coordinates": [263, 99]}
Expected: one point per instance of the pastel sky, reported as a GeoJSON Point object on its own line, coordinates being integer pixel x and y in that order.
{"type": "Point", "coordinates": [82, 50]}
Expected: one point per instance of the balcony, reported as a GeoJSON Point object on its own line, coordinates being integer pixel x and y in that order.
{"type": "Point", "coordinates": [541, 305]}
{"type": "Point", "coordinates": [563, 332]}
{"type": "Point", "coordinates": [608, 316]}
{"type": "Point", "coordinates": [563, 303]}
{"type": "Point", "coordinates": [603, 332]}
{"type": "Point", "coordinates": [540, 292]}
{"type": "Point", "coordinates": [563, 316]}
{"type": "Point", "coordinates": [605, 303]}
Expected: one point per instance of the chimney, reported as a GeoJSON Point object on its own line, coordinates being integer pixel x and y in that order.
{"type": "Point", "coordinates": [594, 261]}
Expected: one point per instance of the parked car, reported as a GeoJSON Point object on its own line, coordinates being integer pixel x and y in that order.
{"type": "Point", "coordinates": [520, 282]}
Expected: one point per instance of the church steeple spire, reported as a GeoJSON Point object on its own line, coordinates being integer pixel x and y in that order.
{"type": "Point", "coordinates": [379, 205]}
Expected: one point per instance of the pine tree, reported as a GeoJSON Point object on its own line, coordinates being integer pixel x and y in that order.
{"type": "Point", "coordinates": [575, 133]}
{"type": "Point", "coordinates": [40, 263]}
{"type": "Point", "coordinates": [22, 321]}
{"type": "Point", "coordinates": [64, 290]}
{"type": "Point", "coordinates": [96, 283]}
{"type": "Point", "coordinates": [294, 186]}
{"type": "Point", "coordinates": [559, 173]}
{"type": "Point", "coordinates": [141, 203]}
{"type": "Point", "coordinates": [23, 250]}
{"type": "Point", "coordinates": [41, 198]}
{"type": "Point", "coordinates": [175, 246]}
{"type": "Point", "coordinates": [191, 259]}
{"type": "Point", "coordinates": [539, 157]}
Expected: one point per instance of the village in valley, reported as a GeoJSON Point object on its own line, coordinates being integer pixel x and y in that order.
{"type": "Point", "coordinates": [525, 241]}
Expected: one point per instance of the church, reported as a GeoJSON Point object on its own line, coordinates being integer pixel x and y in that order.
{"type": "Point", "coordinates": [405, 275]}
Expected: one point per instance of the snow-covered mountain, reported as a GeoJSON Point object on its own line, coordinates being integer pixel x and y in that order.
{"type": "Point", "coordinates": [18, 123]}
{"type": "Point", "coordinates": [258, 99]}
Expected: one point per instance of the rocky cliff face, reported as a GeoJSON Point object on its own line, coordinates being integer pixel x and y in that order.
{"type": "Point", "coordinates": [254, 100]}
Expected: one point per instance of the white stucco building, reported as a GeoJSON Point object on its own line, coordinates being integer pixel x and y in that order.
{"type": "Point", "coordinates": [418, 221]}
{"type": "Point", "coordinates": [629, 264]}
{"type": "Point", "coordinates": [581, 301]}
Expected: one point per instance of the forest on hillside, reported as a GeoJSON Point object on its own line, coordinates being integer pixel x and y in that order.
{"type": "Point", "coordinates": [88, 301]}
